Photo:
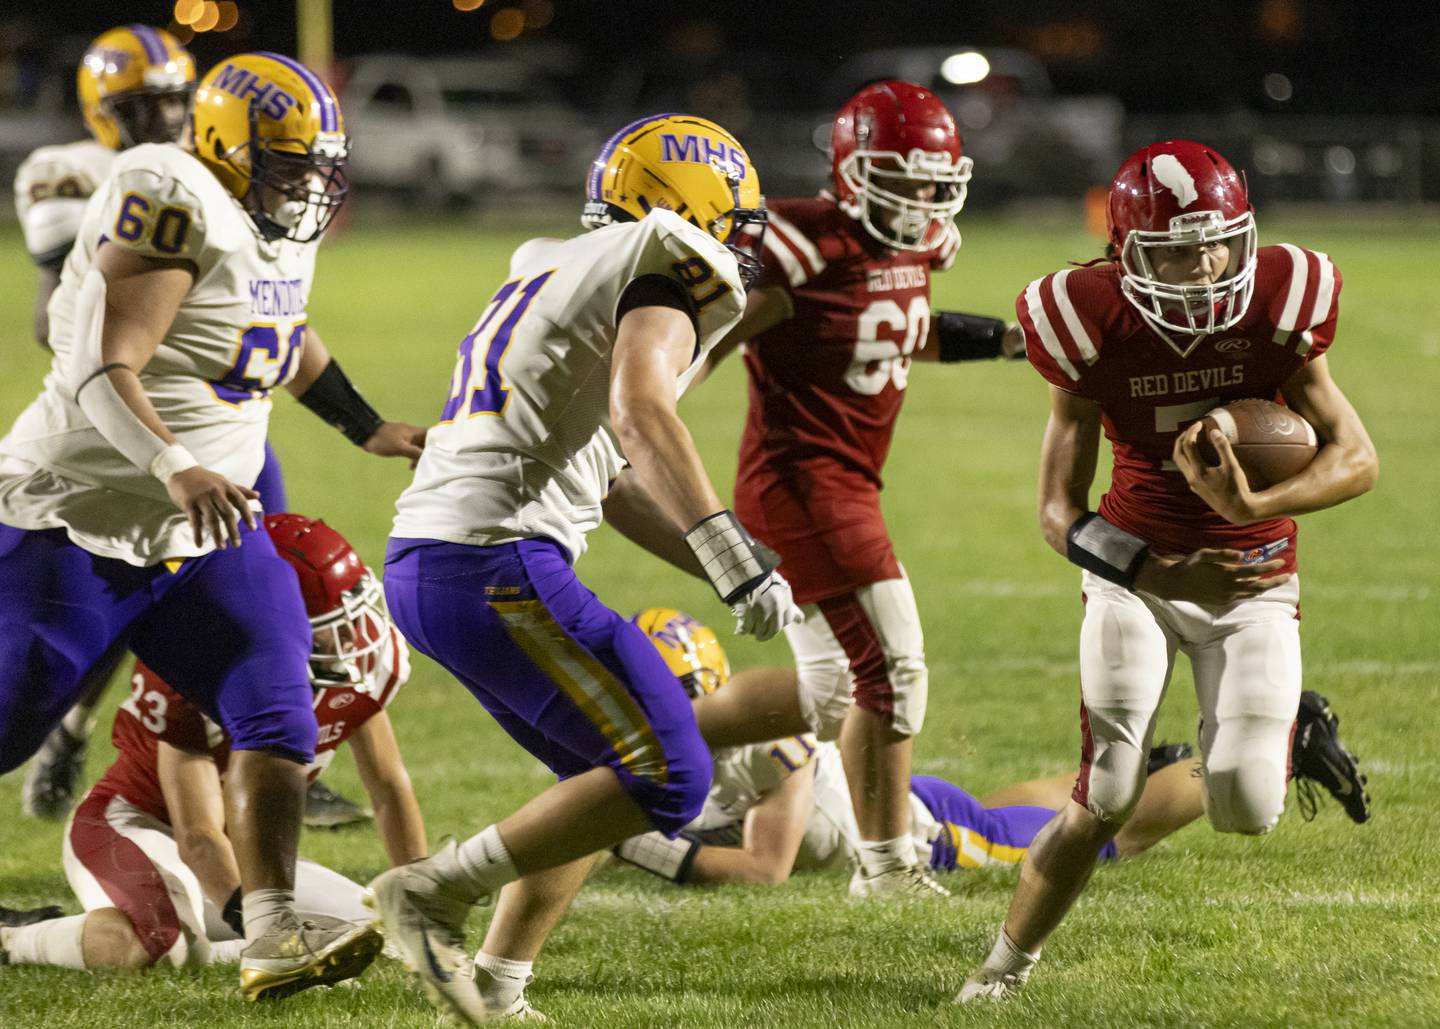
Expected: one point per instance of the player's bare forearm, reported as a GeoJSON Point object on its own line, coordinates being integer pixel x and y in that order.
{"type": "Point", "coordinates": [765, 308]}
{"type": "Point", "coordinates": [652, 348]}
{"type": "Point", "coordinates": [774, 830]}
{"type": "Point", "coordinates": [719, 866]}
{"type": "Point", "coordinates": [387, 783]}
{"type": "Point", "coordinates": [1068, 455]}
{"type": "Point", "coordinates": [1346, 465]}
{"type": "Point", "coordinates": [633, 513]}
{"type": "Point", "coordinates": [190, 784]}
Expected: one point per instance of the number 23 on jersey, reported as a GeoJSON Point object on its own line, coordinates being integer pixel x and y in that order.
{"type": "Point", "coordinates": [477, 386]}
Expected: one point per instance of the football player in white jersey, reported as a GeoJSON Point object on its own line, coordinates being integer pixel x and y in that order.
{"type": "Point", "coordinates": [784, 805]}
{"type": "Point", "coordinates": [561, 411]}
{"type": "Point", "coordinates": [134, 85]}
{"type": "Point", "coordinates": [125, 505]}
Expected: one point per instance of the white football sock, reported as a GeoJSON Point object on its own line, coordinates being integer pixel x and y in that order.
{"type": "Point", "coordinates": [480, 865]}
{"type": "Point", "coordinates": [56, 942]}
{"type": "Point", "coordinates": [506, 980]}
{"type": "Point", "coordinates": [878, 856]}
{"type": "Point", "coordinates": [1005, 956]}
{"type": "Point", "coordinates": [265, 909]}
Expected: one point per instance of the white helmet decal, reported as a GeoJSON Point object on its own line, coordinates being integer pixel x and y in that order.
{"type": "Point", "coordinates": [1175, 177]}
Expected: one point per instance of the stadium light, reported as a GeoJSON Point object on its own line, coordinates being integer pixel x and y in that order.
{"type": "Point", "coordinates": [964, 68]}
{"type": "Point", "coordinates": [209, 17]}
{"type": "Point", "coordinates": [467, 5]}
{"type": "Point", "coordinates": [187, 12]}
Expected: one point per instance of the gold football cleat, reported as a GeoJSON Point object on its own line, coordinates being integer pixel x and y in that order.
{"type": "Point", "coordinates": [320, 951]}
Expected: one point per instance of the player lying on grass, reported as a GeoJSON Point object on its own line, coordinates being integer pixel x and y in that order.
{"type": "Point", "coordinates": [784, 805]}
{"type": "Point", "coordinates": [1188, 313]}
{"type": "Point", "coordinates": [841, 310]}
{"type": "Point", "coordinates": [134, 85]}
{"type": "Point", "coordinates": [146, 851]}
{"type": "Point", "coordinates": [562, 410]}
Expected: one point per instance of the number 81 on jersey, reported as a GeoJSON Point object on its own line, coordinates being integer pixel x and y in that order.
{"type": "Point", "coordinates": [476, 386]}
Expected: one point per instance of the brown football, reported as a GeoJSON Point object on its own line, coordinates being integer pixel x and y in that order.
{"type": "Point", "coordinates": [1270, 441]}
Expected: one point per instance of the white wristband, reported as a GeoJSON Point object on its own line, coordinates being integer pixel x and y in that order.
{"type": "Point", "coordinates": [171, 461]}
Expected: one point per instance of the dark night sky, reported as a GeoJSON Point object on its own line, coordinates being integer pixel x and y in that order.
{"type": "Point", "coordinates": [1343, 56]}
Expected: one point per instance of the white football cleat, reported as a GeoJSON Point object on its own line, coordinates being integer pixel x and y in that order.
{"type": "Point", "coordinates": [904, 881]}
{"type": "Point", "coordinates": [425, 919]}
{"type": "Point", "coordinates": [991, 984]}
{"type": "Point", "coordinates": [518, 1009]}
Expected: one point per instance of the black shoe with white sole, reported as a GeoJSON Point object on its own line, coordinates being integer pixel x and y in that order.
{"type": "Point", "coordinates": [1318, 758]}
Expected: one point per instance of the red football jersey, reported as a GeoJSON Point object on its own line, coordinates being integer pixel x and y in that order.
{"type": "Point", "coordinates": [829, 381]}
{"type": "Point", "coordinates": [1083, 336]}
{"type": "Point", "coordinates": [155, 712]}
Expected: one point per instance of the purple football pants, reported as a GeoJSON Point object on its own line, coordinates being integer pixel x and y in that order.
{"type": "Point", "coordinates": [227, 630]}
{"type": "Point", "coordinates": [570, 680]}
{"type": "Point", "coordinates": [972, 834]}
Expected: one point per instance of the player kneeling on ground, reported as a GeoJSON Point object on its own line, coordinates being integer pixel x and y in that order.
{"type": "Point", "coordinates": [146, 851]}
{"type": "Point", "coordinates": [784, 805]}
{"type": "Point", "coordinates": [1188, 314]}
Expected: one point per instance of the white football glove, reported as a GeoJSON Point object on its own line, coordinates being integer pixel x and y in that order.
{"type": "Point", "coordinates": [766, 609]}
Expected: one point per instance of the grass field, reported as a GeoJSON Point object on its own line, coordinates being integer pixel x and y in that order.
{"type": "Point", "coordinates": [1317, 924]}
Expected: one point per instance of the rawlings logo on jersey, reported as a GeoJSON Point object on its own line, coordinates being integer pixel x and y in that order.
{"type": "Point", "coordinates": [271, 100]}
{"type": "Point", "coordinates": [702, 150]}
{"type": "Point", "coordinates": [1233, 345]}
{"type": "Point", "coordinates": [344, 699]}
{"type": "Point", "coordinates": [1175, 177]}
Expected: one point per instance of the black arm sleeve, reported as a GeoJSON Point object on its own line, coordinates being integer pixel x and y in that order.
{"type": "Point", "coordinates": [968, 337]}
{"type": "Point", "coordinates": [656, 291]}
{"type": "Point", "coordinates": [335, 399]}
{"type": "Point", "coordinates": [1107, 550]}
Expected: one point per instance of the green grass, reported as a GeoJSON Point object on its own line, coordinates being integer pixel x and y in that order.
{"type": "Point", "coordinates": [1317, 924]}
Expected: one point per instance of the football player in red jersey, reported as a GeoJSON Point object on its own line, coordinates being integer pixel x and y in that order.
{"type": "Point", "coordinates": [1188, 314]}
{"type": "Point", "coordinates": [146, 851]}
{"type": "Point", "coordinates": [840, 312]}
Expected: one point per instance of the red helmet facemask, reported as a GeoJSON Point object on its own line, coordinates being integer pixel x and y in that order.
{"type": "Point", "coordinates": [348, 621]}
{"type": "Point", "coordinates": [1182, 194]}
{"type": "Point", "coordinates": [885, 140]}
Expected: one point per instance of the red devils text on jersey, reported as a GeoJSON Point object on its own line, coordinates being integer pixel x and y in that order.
{"type": "Point", "coordinates": [1084, 337]}
{"type": "Point", "coordinates": [155, 712]}
{"type": "Point", "coordinates": [825, 389]}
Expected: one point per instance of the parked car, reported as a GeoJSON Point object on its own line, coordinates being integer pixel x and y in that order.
{"type": "Point", "coordinates": [462, 128]}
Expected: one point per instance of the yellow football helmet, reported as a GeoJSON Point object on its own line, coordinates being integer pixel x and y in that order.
{"type": "Point", "coordinates": [687, 165]}
{"type": "Point", "coordinates": [134, 85]}
{"type": "Point", "coordinates": [692, 651]}
{"type": "Point", "coordinates": [271, 131]}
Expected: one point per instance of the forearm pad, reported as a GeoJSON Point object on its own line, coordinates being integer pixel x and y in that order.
{"type": "Point", "coordinates": [968, 337]}
{"type": "Point", "coordinates": [335, 399]}
{"type": "Point", "coordinates": [95, 394]}
{"type": "Point", "coordinates": [659, 855]}
{"type": "Point", "coordinates": [733, 562]}
{"type": "Point", "coordinates": [1105, 549]}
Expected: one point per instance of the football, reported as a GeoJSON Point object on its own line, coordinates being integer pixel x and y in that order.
{"type": "Point", "coordinates": [1270, 441]}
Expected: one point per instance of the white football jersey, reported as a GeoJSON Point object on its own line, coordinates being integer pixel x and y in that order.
{"type": "Point", "coordinates": [523, 448]}
{"type": "Point", "coordinates": [236, 337]}
{"type": "Point", "coordinates": [51, 188]}
{"type": "Point", "coordinates": [744, 775]}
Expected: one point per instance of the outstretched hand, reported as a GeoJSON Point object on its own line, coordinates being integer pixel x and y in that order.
{"type": "Point", "coordinates": [1215, 577]}
{"type": "Point", "coordinates": [397, 439]}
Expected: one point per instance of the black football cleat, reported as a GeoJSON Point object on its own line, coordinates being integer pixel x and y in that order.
{"type": "Point", "coordinates": [1163, 754]}
{"type": "Point", "coordinates": [13, 917]}
{"type": "Point", "coordinates": [326, 809]}
{"type": "Point", "coordinates": [54, 776]}
{"type": "Point", "coordinates": [1318, 758]}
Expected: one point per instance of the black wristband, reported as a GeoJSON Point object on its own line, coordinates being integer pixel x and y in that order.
{"type": "Point", "coordinates": [1107, 550]}
{"type": "Point", "coordinates": [232, 914]}
{"type": "Point", "coordinates": [336, 400]}
{"type": "Point", "coordinates": [103, 370]}
{"type": "Point", "coordinates": [968, 337]}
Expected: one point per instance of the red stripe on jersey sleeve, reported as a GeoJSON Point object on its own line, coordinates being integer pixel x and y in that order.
{"type": "Point", "coordinates": [786, 239]}
{"type": "Point", "coordinates": [1036, 353]}
{"type": "Point", "coordinates": [1057, 322]}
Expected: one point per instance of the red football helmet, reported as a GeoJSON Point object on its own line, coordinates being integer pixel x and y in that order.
{"type": "Point", "coordinates": [1178, 193]}
{"type": "Point", "coordinates": [886, 137]}
{"type": "Point", "coordinates": [348, 621]}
